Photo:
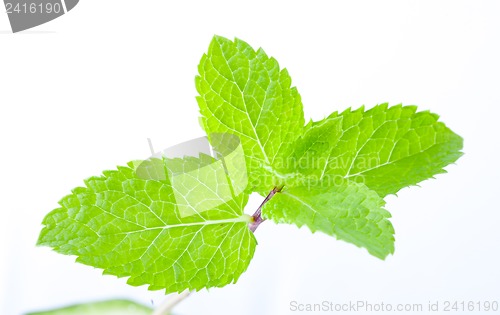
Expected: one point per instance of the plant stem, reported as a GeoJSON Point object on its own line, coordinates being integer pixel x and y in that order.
{"type": "Point", "coordinates": [166, 307]}
{"type": "Point", "coordinates": [257, 216]}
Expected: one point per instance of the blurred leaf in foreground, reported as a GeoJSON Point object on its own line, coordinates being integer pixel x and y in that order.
{"type": "Point", "coordinates": [113, 307]}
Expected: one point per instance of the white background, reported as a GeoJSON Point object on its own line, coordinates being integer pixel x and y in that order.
{"type": "Point", "coordinates": [82, 93]}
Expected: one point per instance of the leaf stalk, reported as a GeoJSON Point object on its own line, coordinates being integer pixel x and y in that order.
{"type": "Point", "coordinates": [257, 218]}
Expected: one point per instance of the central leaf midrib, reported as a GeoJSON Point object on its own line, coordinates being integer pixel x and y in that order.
{"type": "Point", "coordinates": [241, 219]}
{"type": "Point", "coordinates": [257, 139]}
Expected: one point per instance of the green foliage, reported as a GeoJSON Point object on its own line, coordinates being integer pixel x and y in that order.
{"type": "Point", "coordinates": [187, 230]}
{"type": "Point", "coordinates": [133, 227]}
{"type": "Point", "coordinates": [114, 307]}
{"type": "Point", "coordinates": [387, 148]}
{"type": "Point", "coordinates": [244, 92]}
{"type": "Point", "coordinates": [350, 211]}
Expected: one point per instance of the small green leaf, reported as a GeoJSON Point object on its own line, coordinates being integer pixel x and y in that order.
{"type": "Point", "coordinates": [113, 307]}
{"type": "Point", "coordinates": [349, 211]}
{"type": "Point", "coordinates": [386, 148]}
{"type": "Point", "coordinates": [244, 92]}
{"type": "Point", "coordinates": [139, 228]}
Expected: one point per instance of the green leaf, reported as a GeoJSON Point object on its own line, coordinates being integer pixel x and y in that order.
{"type": "Point", "coordinates": [244, 92]}
{"type": "Point", "coordinates": [150, 230]}
{"type": "Point", "coordinates": [386, 148]}
{"type": "Point", "coordinates": [349, 211]}
{"type": "Point", "coordinates": [113, 307]}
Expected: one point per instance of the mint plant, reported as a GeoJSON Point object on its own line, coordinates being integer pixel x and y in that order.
{"type": "Point", "coordinates": [330, 175]}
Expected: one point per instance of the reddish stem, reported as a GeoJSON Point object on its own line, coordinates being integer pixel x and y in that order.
{"type": "Point", "coordinates": [257, 216]}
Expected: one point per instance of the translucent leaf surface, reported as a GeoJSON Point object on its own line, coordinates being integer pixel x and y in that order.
{"type": "Point", "coordinates": [134, 227]}
{"type": "Point", "coordinates": [350, 212]}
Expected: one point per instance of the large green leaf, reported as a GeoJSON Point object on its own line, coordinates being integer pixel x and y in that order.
{"type": "Point", "coordinates": [387, 148]}
{"type": "Point", "coordinates": [137, 227]}
{"type": "Point", "coordinates": [348, 211]}
{"type": "Point", "coordinates": [244, 92]}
